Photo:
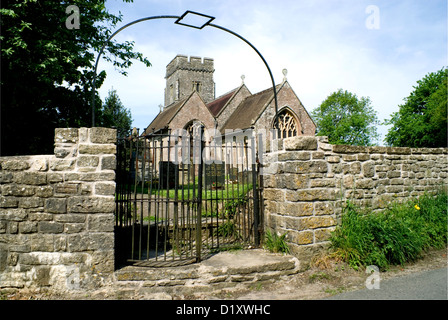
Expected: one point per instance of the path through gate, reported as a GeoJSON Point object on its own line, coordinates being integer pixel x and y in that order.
{"type": "Point", "coordinates": [180, 198]}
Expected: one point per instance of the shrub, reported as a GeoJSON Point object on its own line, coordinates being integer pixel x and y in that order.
{"type": "Point", "coordinates": [398, 235]}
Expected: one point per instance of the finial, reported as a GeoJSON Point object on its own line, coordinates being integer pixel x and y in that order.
{"type": "Point", "coordinates": [242, 79]}
{"type": "Point", "coordinates": [161, 107]}
{"type": "Point", "coordinates": [285, 72]}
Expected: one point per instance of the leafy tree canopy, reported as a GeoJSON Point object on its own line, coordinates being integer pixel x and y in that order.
{"type": "Point", "coordinates": [114, 114]}
{"type": "Point", "coordinates": [47, 69]}
{"type": "Point", "coordinates": [346, 119]}
{"type": "Point", "coordinates": [422, 120]}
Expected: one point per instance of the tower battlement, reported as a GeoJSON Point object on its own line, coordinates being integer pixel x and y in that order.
{"type": "Point", "coordinates": [186, 74]}
{"type": "Point", "coordinates": [182, 62]}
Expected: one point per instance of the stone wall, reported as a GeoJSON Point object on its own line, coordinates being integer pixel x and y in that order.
{"type": "Point", "coordinates": [307, 181]}
{"type": "Point", "coordinates": [57, 213]}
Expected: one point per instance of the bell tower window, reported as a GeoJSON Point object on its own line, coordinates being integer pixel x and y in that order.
{"type": "Point", "coordinates": [197, 86]}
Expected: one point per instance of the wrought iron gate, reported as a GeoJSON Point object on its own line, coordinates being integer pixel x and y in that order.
{"type": "Point", "coordinates": [180, 198]}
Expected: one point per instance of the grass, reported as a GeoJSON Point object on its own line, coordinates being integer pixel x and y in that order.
{"type": "Point", "coordinates": [398, 235]}
{"type": "Point", "coordinates": [190, 191]}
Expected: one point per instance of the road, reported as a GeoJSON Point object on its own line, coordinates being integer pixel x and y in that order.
{"type": "Point", "coordinates": [425, 285]}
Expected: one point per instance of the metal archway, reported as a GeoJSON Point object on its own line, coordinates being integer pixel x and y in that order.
{"type": "Point", "coordinates": [179, 21]}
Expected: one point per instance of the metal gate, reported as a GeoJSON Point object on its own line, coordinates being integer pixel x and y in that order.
{"type": "Point", "coordinates": [184, 195]}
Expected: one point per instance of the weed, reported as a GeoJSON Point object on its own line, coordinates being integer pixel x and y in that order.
{"type": "Point", "coordinates": [398, 235]}
{"type": "Point", "coordinates": [319, 276]}
{"type": "Point", "coordinates": [275, 243]}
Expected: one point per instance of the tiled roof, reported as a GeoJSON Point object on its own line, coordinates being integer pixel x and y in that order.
{"type": "Point", "coordinates": [249, 110]}
{"type": "Point", "coordinates": [216, 105]}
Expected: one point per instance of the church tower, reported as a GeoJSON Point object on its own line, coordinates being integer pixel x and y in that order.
{"type": "Point", "coordinates": [183, 76]}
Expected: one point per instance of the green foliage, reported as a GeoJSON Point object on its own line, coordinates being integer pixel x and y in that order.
{"type": "Point", "coordinates": [114, 114]}
{"type": "Point", "coordinates": [228, 229]}
{"type": "Point", "coordinates": [422, 120]}
{"type": "Point", "coordinates": [275, 243]}
{"type": "Point", "coordinates": [345, 119]}
{"type": "Point", "coordinates": [47, 69]}
{"type": "Point", "coordinates": [396, 236]}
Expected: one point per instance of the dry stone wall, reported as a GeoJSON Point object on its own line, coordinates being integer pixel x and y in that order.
{"type": "Point", "coordinates": [57, 213]}
{"type": "Point", "coordinates": [307, 181]}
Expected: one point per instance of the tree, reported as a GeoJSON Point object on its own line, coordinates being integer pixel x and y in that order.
{"type": "Point", "coordinates": [345, 119]}
{"type": "Point", "coordinates": [422, 120]}
{"type": "Point", "coordinates": [47, 68]}
{"type": "Point", "coordinates": [114, 114]}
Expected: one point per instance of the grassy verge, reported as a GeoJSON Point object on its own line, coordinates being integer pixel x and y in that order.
{"type": "Point", "coordinates": [395, 236]}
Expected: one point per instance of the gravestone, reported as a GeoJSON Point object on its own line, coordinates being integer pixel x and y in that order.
{"type": "Point", "coordinates": [167, 174]}
{"type": "Point", "coordinates": [215, 175]}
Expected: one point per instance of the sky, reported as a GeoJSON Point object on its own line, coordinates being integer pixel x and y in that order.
{"type": "Point", "coordinates": [375, 48]}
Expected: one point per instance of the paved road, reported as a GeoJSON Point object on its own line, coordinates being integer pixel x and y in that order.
{"type": "Point", "coordinates": [426, 285]}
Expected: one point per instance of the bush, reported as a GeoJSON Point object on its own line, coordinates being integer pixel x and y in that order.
{"type": "Point", "coordinates": [398, 235]}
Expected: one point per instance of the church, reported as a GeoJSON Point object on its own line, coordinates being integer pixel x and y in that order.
{"type": "Point", "coordinates": [190, 102]}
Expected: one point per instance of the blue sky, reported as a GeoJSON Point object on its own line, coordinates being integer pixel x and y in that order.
{"type": "Point", "coordinates": [375, 48]}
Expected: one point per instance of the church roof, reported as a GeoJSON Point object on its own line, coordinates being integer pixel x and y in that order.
{"type": "Point", "coordinates": [249, 110]}
{"type": "Point", "coordinates": [164, 118]}
{"type": "Point", "coordinates": [216, 105]}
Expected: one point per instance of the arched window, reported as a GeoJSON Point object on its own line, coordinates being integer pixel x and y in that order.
{"type": "Point", "coordinates": [287, 124]}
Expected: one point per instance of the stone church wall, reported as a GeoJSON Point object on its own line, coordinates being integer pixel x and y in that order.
{"type": "Point", "coordinates": [307, 181]}
{"type": "Point", "coordinates": [57, 213]}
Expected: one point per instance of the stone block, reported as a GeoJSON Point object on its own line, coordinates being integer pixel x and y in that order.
{"type": "Point", "coordinates": [97, 149]}
{"type": "Point", "coordinates": [303, 167]}
{"type": "Point", "coordinates": [398, 150]}
{"type": "Point", "coordinates": [105, 188]}
{"type": "Point", "coordinates": [60, 152]}
{"type": "Point", "coordinates": [274, 194]}
{"type": "Point", "coordinates": [39, 164]}
{"type": "Point", "coordinates": [296, 209]}
{"type": "Point", "coordinates": [67, 188]}
{"type": "Point", "coordinates": [50, 227]}
{"type": "Point", "coordinates": [318, 222]}
{"type": "Point", "coordinates": [44, 191]}
{"type": "Point", "coordinates": [376, 149]}
{"type": "Point", "coordinates": [14, 163]}
{"type": "Point", "coordinates": [108, 163]}
{"type": "Point", "coordinates": [349, 149]}
{"type": "Point", "coordinates": [18, 190]}
{"type": "Point", "coordinates": [56, 205]}
{"type": "Point", "coordinates": [334, 159]}
{"type": "Point", "coordinates": [85, 204]}
{"type": "Point", "coordinates": [30, 178]}
{"type": "Point", "coordinates": [66, 135]}
{"type": "Point", "coordinates": [101, 223]}
{"type": "Point", "coordinates": [8, 202]}
{"type": "Point", "coordinates": [293, 155]}
{"type": "Point", "coordinates": [87, 161]}
{"type": "Point", "coordinates": [28, 227]}
{"type": "Point", "coordinates": [311, 194]}
{"type": "Point", "coordinates": [30, 202]}
{"type": "Point", "coordinates": [13, 214]}
{"type": "Point", "coordinates": [368, 169]}
{"type": "Point", "coordinates": [62, 164]}
{"type": "Point", "coordinates": [301, 238]}
{"type": "Point", "coordinates": [300, 143]}
{"type": "Point", "coordinates": [103, 135]}
{"type": "Point", "coordinates": [323, 208]}
{"type": "Point", "coordinates": [321, 235]}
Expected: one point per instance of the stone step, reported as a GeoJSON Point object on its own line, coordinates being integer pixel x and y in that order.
{"type": "Point", "coordinates": [225, 269]}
